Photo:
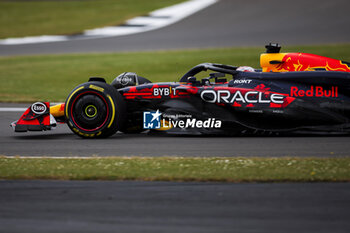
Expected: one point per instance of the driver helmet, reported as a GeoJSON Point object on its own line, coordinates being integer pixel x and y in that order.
{"type": "Point", "coordinates": [245, 69]}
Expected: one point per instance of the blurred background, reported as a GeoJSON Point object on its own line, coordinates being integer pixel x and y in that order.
{"type": "Point", "coordinates": [161, 46]}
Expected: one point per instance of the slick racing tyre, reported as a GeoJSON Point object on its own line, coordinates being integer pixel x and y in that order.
{"type": "Point", "coordinates": [95, 110]}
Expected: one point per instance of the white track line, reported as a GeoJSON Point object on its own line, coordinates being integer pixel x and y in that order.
{"type": "Point", "coordinates": [9, 109]}
{"type": "Point", "coordinates": [51, 157]}
{"type": "Point", "coordinates": [155, 20]}
{"type": "Point", "coordinates": [77, 157]}
{"type": "Point", "coordinates": [16, 109]}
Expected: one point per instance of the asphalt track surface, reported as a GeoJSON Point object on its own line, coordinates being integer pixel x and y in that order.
{"type": "Point", "coordinates": [107, 206]}
{"type": "Point", "coordinates": [224, 24]}
{"type": "Point", "coordinates": [62, 142]}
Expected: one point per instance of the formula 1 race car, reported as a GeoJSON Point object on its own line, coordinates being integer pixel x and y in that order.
{"type": "Point", "coordinates": [294, 93]}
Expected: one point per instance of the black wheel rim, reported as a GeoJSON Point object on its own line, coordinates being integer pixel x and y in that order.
{"type": "Point", "coordinates": [89, 112]}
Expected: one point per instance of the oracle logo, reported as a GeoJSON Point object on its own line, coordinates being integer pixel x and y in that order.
{"type": "Point", "coordinates": [39, 108]}
{"type": "Point", "coordinates": [225, 96]}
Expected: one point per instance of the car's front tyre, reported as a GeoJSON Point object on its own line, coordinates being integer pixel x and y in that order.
{"type": "Point", "coordinates": [95, 110]}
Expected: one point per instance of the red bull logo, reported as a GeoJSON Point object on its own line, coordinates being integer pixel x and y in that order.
{"type": "Point", "coordinates": [314, 91]}
{"type": "Point", "coordinates": [310, 62]}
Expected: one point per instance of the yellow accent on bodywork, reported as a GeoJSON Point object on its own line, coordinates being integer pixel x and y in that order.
{"type": "Point", "coordinates": [162, 128]}
{"type": "Point", "coordinates": [67, 103]}
{"type": "Point", "coordinates": [57, 110]}
{"type": "Point", "coordinates": [266, 58]}
{"type": "Point", "coordinates": [113, 111]}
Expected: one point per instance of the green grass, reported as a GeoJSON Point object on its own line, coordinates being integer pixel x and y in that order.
{"type": "Point", "coordinates": [179, 169]}
{"type": "Point", "coordinates": [30, 18]}
{"type": "Point", "coordinates": [52, 77]}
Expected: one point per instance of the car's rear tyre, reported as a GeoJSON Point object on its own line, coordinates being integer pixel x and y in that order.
{"type": "Point", "coordinates": [95, 110]}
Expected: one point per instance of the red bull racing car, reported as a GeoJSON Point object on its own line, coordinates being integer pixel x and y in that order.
{"type": "Point", "coordinates": [293, 93]}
